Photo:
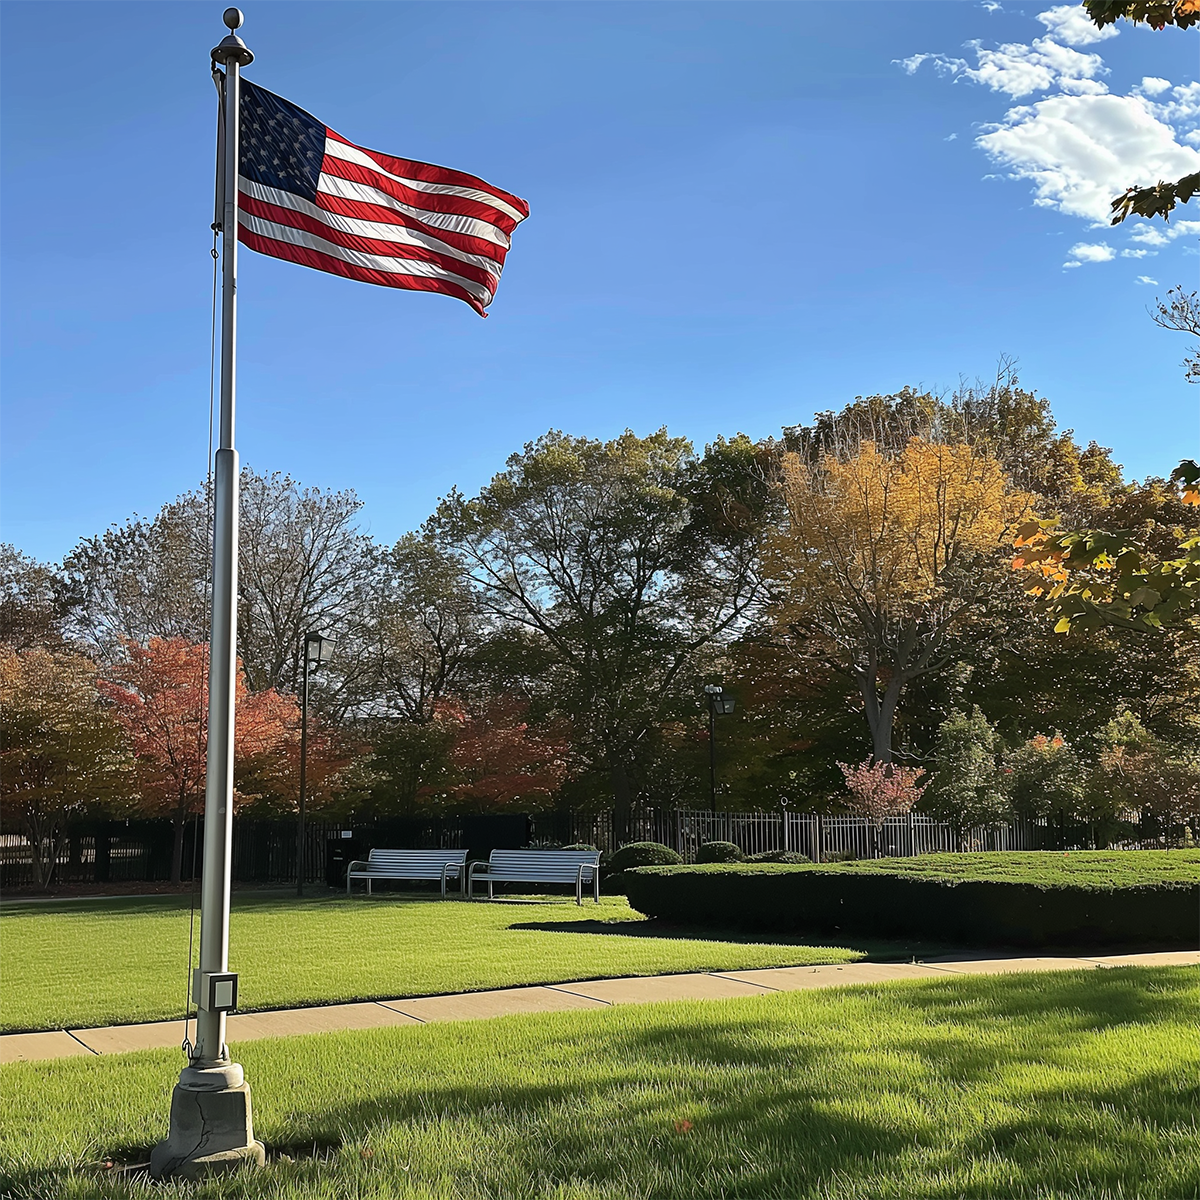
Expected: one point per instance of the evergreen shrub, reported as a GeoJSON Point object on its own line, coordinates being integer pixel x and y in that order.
{"type": "Point", "coordinates": [789, 857]}
{"type": "Point", "coordinates": [979, 912]}
{"type": "Point", "coordinates": [643, 854]}
{"type": "Point", "coordinates": [719, 852]}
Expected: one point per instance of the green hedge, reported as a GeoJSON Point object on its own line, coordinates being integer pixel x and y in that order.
{"type": "Point", "coordinates": [874, 904]}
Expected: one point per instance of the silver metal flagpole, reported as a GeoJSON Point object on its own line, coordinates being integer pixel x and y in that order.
{"type": "Point", "coordinates": [211, 1125]}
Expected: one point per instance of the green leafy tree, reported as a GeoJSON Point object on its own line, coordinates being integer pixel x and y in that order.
{"type": "Point", "coordinates": [1138, 772]}
{"type": "Point", "coordinates": [967, 788]}
{"type": "Point", "coordinates": [1089, 578]}
{"type": "Point", "coordinates": [1045, 779]}
{"type": "Point", "coordinates": [62, 752]}
{"type": "Point", "coordinates": [614, 567]}
{"type": "Point", "coordinates": [33, 603]}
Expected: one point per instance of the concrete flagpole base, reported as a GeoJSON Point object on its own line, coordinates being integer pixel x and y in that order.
{"type": "Point", "coordinates": [212, 1129]}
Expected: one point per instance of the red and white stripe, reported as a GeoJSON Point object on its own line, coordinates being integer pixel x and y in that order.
{"type": "Point", "coordinates": [389, 221]}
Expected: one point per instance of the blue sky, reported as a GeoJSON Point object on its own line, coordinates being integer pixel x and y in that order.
{"type": "Point", "coordinates": [741, 214]}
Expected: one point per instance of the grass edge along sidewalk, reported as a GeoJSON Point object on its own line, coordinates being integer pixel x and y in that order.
{"type": "Point", "coordinates": [564, 997]}
{"type": "Point", "coordinates": [1054, 1085]}
{"type": "Point", "coordinates": [71, 966]}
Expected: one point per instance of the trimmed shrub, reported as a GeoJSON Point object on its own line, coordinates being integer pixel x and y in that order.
{"type": "Point", "coordinates": [973, 912]}
{"type": "Point", "coordinates": [789, 857]}
{"type": "Point", "coordinates": [583, 846]}
{"type": "Point", "coordinates": [643, 854]}
{"type": "Point", "coordinates": [719, 852]}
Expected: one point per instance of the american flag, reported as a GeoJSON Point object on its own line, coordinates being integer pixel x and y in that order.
{"type": "Point", "coordinates": [308, 195]}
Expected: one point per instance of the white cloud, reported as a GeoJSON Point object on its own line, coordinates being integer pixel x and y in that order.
{"type": "Point", "coordinates": [1017, 69]}
{"type": "Point", "coordinates": [1079, 146]}
{"type": "Point", "coordinates": [952, 138]}
{"type": "Point", "coordinates": [1160, 234]}
{"type": "Point", "coordinates": [1080, 151]}
{"type": "Point", "coordinates": [1068, 23]}
{"type": "Point", "coordinates": [1182, 107]}
{"type": "Point", "coordinates": [1151, 85]}
{"type": "Point", "coordinates": [1089, 252]}
{"type": "Point", "coordinates": [1146, 279]}
{"type": "Point", "coordinates": [991, 6]}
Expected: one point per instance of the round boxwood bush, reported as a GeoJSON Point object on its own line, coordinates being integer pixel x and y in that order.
{"type": "Point", "coordinates": [718, 852]}
{"type": "Point", "coordinates": [779, 856]}
{"type": "Point", "coordinates": [643, 854]}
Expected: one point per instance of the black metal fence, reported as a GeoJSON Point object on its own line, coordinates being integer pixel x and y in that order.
{"type": "Point", "coordinates": [264, 852]}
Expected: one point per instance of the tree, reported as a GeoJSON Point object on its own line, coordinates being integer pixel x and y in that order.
{"type": "Point", "coordinates": [61, 750]}
{"type": "Point", "coordinates": [1137, 771]}
{"type": "Point", "coordinates": [966, 790]}
{"type": "Point", "coordinates": [1045, 779]}
{"type": "Point", "coordinates": [613, 567]}
{"type": "Point", "coordinates": [1089, 578]}
{"type": "Point", "coordinates": [421, 632]}
{"type": "Point", "coordinates": [1181, 312]}
{"type": "Point", "coordinates": [303, 564]}
{"type": "Point", "coordinates": [497, 759]}
{"type": "Point", "coordinates": [32, 601]}
{"type": "Point", "coordinates": [879, 790]}
{"type": "Point", "coordinates": [160, 696]}
{"type": "Point", "coordinates": [882, 556]}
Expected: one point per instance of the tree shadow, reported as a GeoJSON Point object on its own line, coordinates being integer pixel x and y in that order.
{"type": "Point", "coordinates": [875, 948]}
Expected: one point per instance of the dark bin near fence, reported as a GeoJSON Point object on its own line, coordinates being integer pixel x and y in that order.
{"type": "Point", "coordinates": [483, 834]}
{"type": "Point", "coordinates": [339, 854]}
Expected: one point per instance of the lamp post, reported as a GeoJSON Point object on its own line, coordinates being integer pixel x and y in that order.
{"type": "Point", "coordinates": [318, 649]}
{"type": "Point", "coordinates": [718, 703]}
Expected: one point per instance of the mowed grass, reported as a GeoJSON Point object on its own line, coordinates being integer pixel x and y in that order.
{"type": "Point", "coordinates": [1068, 1085]}
{"type": "Point", "coordinates": [88, 963]}
{"type": "Point", "coordinates": [1044, 868]}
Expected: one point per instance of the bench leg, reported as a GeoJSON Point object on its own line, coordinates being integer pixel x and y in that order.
{"type": "Point", "coordinates": [368, 887]}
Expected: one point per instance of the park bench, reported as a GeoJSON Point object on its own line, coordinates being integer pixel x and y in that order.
{"type": "Point", "coordinates": [409, 864]}
{"type": "Point", "coordinates": [538, 866]}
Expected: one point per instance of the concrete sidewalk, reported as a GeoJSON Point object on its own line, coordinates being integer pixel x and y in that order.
{"type": "Point", "coordinates": [559, 997]}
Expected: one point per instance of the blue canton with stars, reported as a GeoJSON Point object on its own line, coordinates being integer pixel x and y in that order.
{"type": "Point", "coordinates": [282, 145]}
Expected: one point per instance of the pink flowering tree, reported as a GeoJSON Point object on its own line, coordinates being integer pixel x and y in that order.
{"type": "Point", "coordinates": [879, 789]}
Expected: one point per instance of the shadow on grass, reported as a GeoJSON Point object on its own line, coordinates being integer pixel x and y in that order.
{"type": "Point", "coordinates": [874, 948]}
{"type": "Point", "coordinates": [959, 1087]}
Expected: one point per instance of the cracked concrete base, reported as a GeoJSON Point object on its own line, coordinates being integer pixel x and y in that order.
{"type": "Point", "coordinates": [212, 1131]}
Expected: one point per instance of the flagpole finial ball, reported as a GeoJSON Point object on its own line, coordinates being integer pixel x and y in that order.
{"type": "Point", "coordinates": [233, 18]}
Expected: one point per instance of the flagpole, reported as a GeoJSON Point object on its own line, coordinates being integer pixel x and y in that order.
{"type": "Point", "coordinates": [211, 1126]}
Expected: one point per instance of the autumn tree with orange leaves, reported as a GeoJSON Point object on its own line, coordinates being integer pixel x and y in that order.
{"type": "Point", "coordinates": [160, 696]}
{"type": "Point", "coordinates": [881, 556]}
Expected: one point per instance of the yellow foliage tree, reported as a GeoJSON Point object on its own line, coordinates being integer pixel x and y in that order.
{"type": "Point", "coordinates": [882, 556]}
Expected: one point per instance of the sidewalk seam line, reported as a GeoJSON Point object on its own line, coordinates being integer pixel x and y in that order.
{"type": "Point", "coordinates": [766, 987]}
{"type": "Point", "coordinates": [554, 987]}
{"type": "Point", "coordinates": [400, 1011]}
{"type": "Point", "coordinates": [70, 1033]}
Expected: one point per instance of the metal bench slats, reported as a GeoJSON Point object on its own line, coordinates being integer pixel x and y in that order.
{"type": "Point", "coordinates": [539, 866]}
{"type": "Point", "coordinates": [408, 864]}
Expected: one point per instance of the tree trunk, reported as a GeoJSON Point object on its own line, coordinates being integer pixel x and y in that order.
{"type": "Point", "coordinates": [35, 835]}
{"type": "Point", "coordinates": [180, 823]}
{"type": "Point", "coordinates": [880, 712]}
{"type": "Point", "coordinates": [622, 804]}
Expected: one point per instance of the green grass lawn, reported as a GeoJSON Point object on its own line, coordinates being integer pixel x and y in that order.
{"type": "Point", "coordinates": [1061, 1087]}
{"type": "Point", "coordinates": [86, 963]}
{"type": "Point", "coordinates": [1081, 868]}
